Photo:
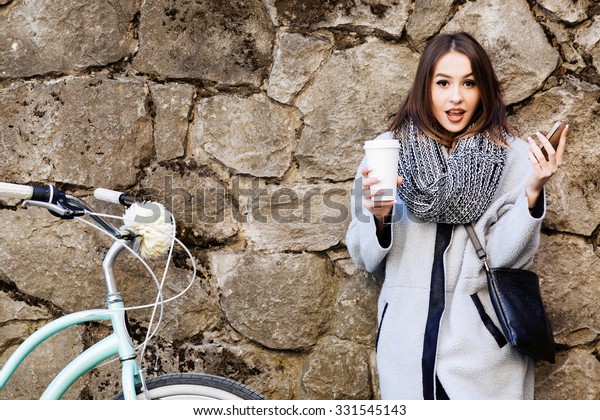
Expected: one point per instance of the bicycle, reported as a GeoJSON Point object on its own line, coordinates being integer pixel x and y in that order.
{"type": "Point", "coordinates": [120, 342]}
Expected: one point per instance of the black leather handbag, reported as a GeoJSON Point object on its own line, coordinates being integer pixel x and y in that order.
{"type": "Point", "coordinates": [517, 301]}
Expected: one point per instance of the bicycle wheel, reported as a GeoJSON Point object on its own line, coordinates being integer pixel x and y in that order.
{"type": "Point", "coordinates": [195, 386]}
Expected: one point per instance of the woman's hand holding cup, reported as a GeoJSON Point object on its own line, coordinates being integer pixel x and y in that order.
{"type": "Point", "coordinates": [379, 208]}
{"type": "Point", "coordinates": [380, 178]}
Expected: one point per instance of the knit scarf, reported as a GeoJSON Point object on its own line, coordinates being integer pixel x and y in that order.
{"type": "Point", "coordinates": [455, 189]}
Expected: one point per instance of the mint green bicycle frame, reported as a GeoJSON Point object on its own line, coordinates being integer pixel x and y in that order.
{"type": "Point", "coordinates": [118, 343]}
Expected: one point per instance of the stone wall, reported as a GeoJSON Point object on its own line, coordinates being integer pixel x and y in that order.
{"type": "Point", "coordinates": [247, 117]}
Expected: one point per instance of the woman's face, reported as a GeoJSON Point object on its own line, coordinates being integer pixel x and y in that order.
{"type": "Point", "coordinates": [454, 92]}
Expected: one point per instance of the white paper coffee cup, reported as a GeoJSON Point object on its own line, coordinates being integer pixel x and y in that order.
{"type": "Point", "coordinates": [382, 157]}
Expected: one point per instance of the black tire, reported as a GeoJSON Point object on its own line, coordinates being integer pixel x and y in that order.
{"type": "Point", "coordinates": [195, 386]}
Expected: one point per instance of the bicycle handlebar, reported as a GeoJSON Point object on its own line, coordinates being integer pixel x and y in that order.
{"type": "Point", "coordinates": [47, 194]}
{"type": "Point", "coordinates": [65, 206]}
{"type": "Point", "coordinates": [22, 192]}
{"type": "Point", "coordinates": [115, 197]}
{"type": "Point", "coordinates": [56, 202]}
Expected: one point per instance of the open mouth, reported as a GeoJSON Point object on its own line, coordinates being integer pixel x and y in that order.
{"type": "Point", "coordinates": [455, 115]}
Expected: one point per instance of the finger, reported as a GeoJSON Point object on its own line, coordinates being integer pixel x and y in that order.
{"type": "Point", "coordinates": [364, 174]}
{"type": "Point", "coordinates": [371, 206]}
{"type": "Point", "coordinates": [562, 144]}
{"type": "Point", "coordinates": [537, 152]}
{"type": "Point", "coordinates": [375, 197]}
{"type": "Point", "coordinates": [381, 204]}
{"type": "Point", "coordinates": [543, 169]}
{"type": "Point", "coordinates": [369, 182]}
{"type": "Point", "coordinates": [399, 181]}
{"type": "Point", "coordinates": [533, 159]}
{"type": "Point", "coordinates": [369, 192]}
{"type": "Point", "coordinates": [550, 151]}
{"type": "Point", "coordinates": [376, 206]}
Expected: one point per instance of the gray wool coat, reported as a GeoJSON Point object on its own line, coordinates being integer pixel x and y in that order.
{"type": "Point", "coordinates": [413, 346]}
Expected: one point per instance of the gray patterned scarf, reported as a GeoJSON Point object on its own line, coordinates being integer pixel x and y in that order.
{"type": "Point", "coordinates": [454, 190]}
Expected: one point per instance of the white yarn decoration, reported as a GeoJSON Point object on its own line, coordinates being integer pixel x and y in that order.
{"type": "Point", "coordinates": [153, 223]}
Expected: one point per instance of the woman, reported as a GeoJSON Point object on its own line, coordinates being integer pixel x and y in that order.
{"type": "Point", "coordinates": [458, 164]}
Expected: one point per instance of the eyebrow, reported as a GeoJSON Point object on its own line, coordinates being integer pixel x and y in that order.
{"type": "Point", "coordinates": [450, 77]}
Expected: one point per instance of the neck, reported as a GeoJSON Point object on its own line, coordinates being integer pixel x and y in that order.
{"type": "Point", "coordinates": [452, 146]}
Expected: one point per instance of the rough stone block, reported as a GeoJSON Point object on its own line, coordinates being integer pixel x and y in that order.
{"type": "Point", "coordinates": [203, 210]}
{"type": "Point", "coordinates": [571, 194]}
{"type": "Point", "coordinates": [362, 85]}
{"type": "Point", "coordinates": [337, 370]}
{"type": "Point", "coordinates": [223, 43]}
{"type": "Point", "coordinates": [427, 18]}
{"type": "Point", "coordinates": [251, 135]}
{"type": "Point", "coordinates": [296, 58]}
{"type": "Point", "coordinates": [570, 288]}
{"type": "Point", "coordinates": [173, 108]}
{"type": "Point", "coordinates": [388, 16]}
{"type": "Point", "coordinates": [356, 306]}
{"type": "Point", "coordinates": [282, 301]}
{"type": "Point", "coordinates": [38, 37]}
{"type": "Point", "coordinates": [66, 257]}
{"type": "Point", "coordinates": [76, 131]}
{"type": "Point", "coordinates": [575, 376]}
{"type": "Point", "coordinates": [571, 11]}
{"type": "Point", "coordinates": [522, 57]}
{"type": "Point", "coordinates": [588, 38]}
{"type": "Point", "coordinates": [296, 217]}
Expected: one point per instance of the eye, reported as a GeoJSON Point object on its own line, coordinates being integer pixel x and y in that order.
{"type": "Point", "coordinates": [470, 83]}
{"type": "Point", "coordinates": [442, 83]}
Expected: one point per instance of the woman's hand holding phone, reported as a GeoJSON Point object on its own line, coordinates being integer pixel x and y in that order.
{"type": "Point", "coordinates": [545, 159]}
{"type": "Point", "coordinates": [553, 137]}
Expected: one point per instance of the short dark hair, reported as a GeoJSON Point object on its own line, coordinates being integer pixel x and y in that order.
{"type": "Point", "coordinates": [490, 115]}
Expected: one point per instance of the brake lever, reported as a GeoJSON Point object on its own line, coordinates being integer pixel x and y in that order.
{"type": "Point", "coordinates": [54, 209]}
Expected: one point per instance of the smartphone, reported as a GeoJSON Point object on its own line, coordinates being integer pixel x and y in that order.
{"type": "Point", "coordinates": [553, 135]}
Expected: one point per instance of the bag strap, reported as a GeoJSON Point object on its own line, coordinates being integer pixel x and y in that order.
{"type": "Point", "coordinates": [481, 254]}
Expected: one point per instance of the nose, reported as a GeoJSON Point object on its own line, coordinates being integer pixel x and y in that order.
{"type": "Point", "coordinates": [456, 95]}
